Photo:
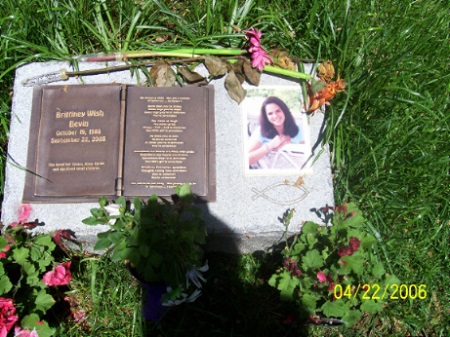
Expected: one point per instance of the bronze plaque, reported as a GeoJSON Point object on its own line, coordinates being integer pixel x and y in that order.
{"type": "Point", "coordinates": [73, 141]}
{"type": "Point", "coordinates": [167, 140]}
{"type": "Point", "coordinates": [88, 141]}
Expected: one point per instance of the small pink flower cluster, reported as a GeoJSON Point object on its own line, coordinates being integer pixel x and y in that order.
{"type": "Point", "coordinates": [325, 278]}
{"type": "Point", "coordinates": [24, 213]}
{"type": "Point", "coordinates": [4, 250]}
{"type": "Point", "coordinates": [258, 54]}
{"type": "Point", "coordinates": [351, 248]}
{"type": "Point", "coordinates": [60, 276]}
{"type": "Point", "coordinates": [292, 266]}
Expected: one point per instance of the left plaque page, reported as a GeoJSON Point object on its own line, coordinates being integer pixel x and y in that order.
{"type": "Point", "coordinates": [74, 142]}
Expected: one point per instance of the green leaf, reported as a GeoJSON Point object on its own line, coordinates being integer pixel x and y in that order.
{"type": "Point", "coordinates": [3, 242]}
{"type": "Point", "coordinates": [371, 306]}
{"type": "Point", "coordinates": [334, 309]}
{"type": "Point", "coordinates": [310, 228]}
{"type": "Point", "coordinates": [298, 248]}
{"type": "Point", "coordinates": [273, 281]}
{"type": "Point", "coordinates": [5, 283]}
{"type": "Point", "coordinates": [44, 301]}
{"type": "Point", "coordinates": [45, 240]}
{"type": "Point", "coordinates": [312, 260]}
{"type": "Point", "coordinates": [286, 284]}
{"type": "Point", "coordinates": [131, 254]}
{"type": "Point", "coordinates": [44, 262]}
{"type": "Point", "coordinates": [311, 239]}
{"type": "Point", "coordinates": [309, 302]}
{"type": "Point", "coordinates": [34, 322]}
{"type": "Point", "coordinates": [21, 254]}
{"type": "Point", "coordinates": [103, 201]}
{"type": "Point", "coordinates": [102, 244]}
{"type": "Point", "coordinates": [115, 237]}
{"type": "Point", "coordinates": [391, 279]}
{"type": "Point", "coordinates": [352, 317]}
{"type": "Point", "coordinates": [184, 191]}
{"type": "Point", "coordinates": [355, 263]}
{"type": "Point", "coordinates": [368, 241]}
{"type": "Point", "coordinates": [354, 221]}
{"type": "Point", "coordinates": [93, 220]}
{"type": "Point", "coordinates": [137, 207]}
{"type": "Point", "coordinates": [378, 269]}
{"type": "Point", "coordinates": [32, 274]}
{"type": "Point", "coordinates": [116, 255]}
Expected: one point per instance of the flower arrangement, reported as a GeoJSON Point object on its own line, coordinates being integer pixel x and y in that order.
{"type": "Point", "coordinates": [238, 65]}
{"type": "Point", "coordinates": [161, 242]}
{"type": "Point", "coordinates": [333, 271]}
{"type": "Point", "coordinates": [32, 270]}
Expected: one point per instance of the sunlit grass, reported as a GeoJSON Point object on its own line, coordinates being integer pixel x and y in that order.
{"type": "Point", "coordinates": [389, 132]}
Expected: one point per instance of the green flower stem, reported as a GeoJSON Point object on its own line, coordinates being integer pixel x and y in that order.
{"type": "Point", "coordinates": [204, 51]}
{"type": "Point", "coordinates": [184, 52]}
{"type": "Point", "coordinates": [286, 72]}
{"type": "Point", "coordinates": [281, 71]}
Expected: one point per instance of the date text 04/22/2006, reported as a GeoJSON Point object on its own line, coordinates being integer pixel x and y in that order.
{"type": "Point", "coordinates": [376, 292]}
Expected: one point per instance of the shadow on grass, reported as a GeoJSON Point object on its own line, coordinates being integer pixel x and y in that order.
{"type": "Point", "coordinates": [236, 300]}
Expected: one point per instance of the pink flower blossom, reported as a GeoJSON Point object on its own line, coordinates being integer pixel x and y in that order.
{"type": "Point", "coordinates": [347, 250]}
{"type": "Point", "coordinates": [260, 59]}
{"type": "Point", "coordinates": [60, 276]}
{"type": "Point", "coordinates": [258, 54]}
{"type": "Point", "coordinates": [61, 234]}
{"type": "Point", "coordinates": [253, 35]}
{"type": "Point", "coordinates": [321, 277]}
{"type": "Point", "coordinates": [24, 212]}
{"type": "Point", "coordinates": [4, 250]}
{"type": "Point", "coordinates": [24, 333]}
{"type": "Point", "coordinates": [353, 246]}
{"type": "Point", "coordinates": [8, 315]}
{"type": "Point", "coordinates": [325, 278]}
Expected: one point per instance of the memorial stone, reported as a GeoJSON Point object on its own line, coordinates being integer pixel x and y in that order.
{"type": "Point", "coordinates": [248, 200]}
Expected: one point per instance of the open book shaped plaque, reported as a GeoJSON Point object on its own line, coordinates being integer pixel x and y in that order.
{"type": "Point", "coordinates": [88, 141]}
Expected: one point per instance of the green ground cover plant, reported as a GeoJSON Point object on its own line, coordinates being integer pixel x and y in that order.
{"type": "Point", "coordinates": [388, 133]}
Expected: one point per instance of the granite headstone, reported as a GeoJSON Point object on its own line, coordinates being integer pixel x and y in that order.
{"type": "Point", "coordinates": [249, 200]}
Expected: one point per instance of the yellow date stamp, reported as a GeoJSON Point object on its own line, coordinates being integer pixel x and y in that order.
{"type": "Point", "coordinates": [376, 292]}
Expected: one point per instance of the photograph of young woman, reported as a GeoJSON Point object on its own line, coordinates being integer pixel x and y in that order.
{"type": "Point", "coordinates": [277, 128]}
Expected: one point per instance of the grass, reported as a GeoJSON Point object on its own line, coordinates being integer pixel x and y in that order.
{"type": "Point", "coordinates": [389, 135]}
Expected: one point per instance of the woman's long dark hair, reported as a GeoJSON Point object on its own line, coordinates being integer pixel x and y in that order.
{"type": "Point", "coordinates": [290, 128]}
